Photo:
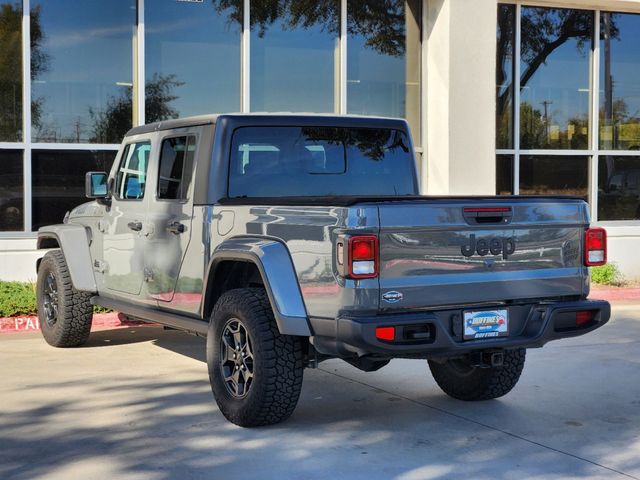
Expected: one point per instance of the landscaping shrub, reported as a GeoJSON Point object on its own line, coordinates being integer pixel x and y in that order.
{"type": "Point", "coordinates": [19, 298]}
{"type": "Point", "coordinates": [606, 274]}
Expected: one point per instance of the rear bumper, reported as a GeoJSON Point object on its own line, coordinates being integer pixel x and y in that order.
{"type": "Point", "coordinates": [531, 326]}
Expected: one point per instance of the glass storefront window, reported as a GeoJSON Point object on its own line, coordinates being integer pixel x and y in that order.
{"type": "Point", "coordinates": [618, 188]}
{"type": "Point", "coordinates": [192, 58]}
{"type": "Point", "coordinates": [383, 60]}
{"type": "Point", "coordinates": [58, 181]}
{"type": "Point", "coordinates": [82, 85]}
{"type": "Point", "coordinates": [504, 76]}
{"type": "Point", "coordinates": [11, 71]}
{"type": "Point", "coordinates": [11, 191]}
{"type": "Point", "coordinates": [293, 55]}
{"type": "Point", "coordinates": [554, 80]}
{"type": "Point", "coordinates": [504, 175]}
{"type": "Point", "coordinates": [619, 81]}
{"type": "Point", "coordinates": [554, 175]}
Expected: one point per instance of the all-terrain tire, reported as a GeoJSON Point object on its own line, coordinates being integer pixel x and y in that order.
{"type": "Point", "coordinates": [272, 392]}
{"type": "Point", "coordinates": [64, 313]}
{"type": "Point", "coordinates": [459, 379]}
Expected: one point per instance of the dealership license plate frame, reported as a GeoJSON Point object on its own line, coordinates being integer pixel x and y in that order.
{"type": "Point", "coordinates": [493, 328]}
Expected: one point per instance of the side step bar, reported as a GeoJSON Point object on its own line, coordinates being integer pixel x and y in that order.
{"type": "Point", "coordinates": [172, 320]}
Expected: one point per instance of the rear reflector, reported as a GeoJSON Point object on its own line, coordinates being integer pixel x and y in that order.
{"type": "Point", "coordinates": [595, 247]}
{"type": "Point", "coordinates": [584, 317]}
{"type": "Point", "coordinates": [386, 333]}
{"type": "Point", "coordinates": [363, 256]}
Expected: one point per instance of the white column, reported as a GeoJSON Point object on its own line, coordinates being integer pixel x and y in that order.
{"type": "Point", "coordinates": [460, 38]}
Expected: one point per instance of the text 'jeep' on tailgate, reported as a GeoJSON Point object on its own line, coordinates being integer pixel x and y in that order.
{"type": "Point", "coordinates": [290, 239]}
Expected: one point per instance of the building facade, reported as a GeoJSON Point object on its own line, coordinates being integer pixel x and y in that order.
{"type": "Point", "coordinates": [502, 97]}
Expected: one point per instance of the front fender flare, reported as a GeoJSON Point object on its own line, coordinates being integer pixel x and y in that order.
{"type": "Point", "coordinates": [74, 243]}
{"type": "Point", "coordinates": [274, 263]}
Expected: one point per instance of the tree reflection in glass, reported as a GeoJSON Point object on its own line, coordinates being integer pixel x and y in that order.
{"type": "Point", "coordinates": [192, 58]}
{"type": "Point", "coordinates": [504, 76]}
{"type": "Point", "coordinates": [293, 55]}
{"type": "Point", "coordinates": [619, 81]}
{"type": "Point", "coordinates": [84, 60]}
{"type": "Point", "coordinates": [10, 72]}
{"type": "Point", "coordinates": [554, 81]}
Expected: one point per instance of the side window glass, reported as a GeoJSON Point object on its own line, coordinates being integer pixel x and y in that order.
{"type": "Point", "coordinates": [132, 172]}
{"type": "Point", "coordinates": [176, 167]}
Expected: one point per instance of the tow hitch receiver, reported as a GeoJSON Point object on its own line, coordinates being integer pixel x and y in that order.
{"type": "Point", "coordinates": [487, 359]}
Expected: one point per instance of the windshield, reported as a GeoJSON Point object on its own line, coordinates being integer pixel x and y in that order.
{"type": "Point", "coordinates": [320, 161]}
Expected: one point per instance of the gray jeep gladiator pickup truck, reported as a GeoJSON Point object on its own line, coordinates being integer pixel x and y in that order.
{"type": "Point", "coordinates": [290, 239]}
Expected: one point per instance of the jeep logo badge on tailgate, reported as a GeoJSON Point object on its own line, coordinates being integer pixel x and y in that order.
{"type": "Point", "coordinates": [495, 246]}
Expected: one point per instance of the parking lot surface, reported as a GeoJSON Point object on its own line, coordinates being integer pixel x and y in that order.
{"type": "Point", "coordinates": [135, 403]}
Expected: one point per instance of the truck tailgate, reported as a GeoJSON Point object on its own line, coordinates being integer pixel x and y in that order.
{"type": "Point", "coordinates": [466, 251]}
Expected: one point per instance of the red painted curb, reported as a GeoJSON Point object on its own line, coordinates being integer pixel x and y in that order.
{"type": "Point", "coordinates": [101, 321]}
{"type": "Point", "coordinates": [615, 294]}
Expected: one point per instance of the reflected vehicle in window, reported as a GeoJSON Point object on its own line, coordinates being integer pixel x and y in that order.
{"type": "Point", "coordinates": [619, 188]}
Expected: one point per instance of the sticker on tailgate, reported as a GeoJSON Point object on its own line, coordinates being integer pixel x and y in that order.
{"type": "Point", "coordinates": [486, 324]}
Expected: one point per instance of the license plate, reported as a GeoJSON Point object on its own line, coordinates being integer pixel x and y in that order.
{"type": "Point", "coordinates": [486, 324]}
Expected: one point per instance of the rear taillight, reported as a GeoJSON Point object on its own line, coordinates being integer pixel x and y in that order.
{"type": "Point", "coordinates": [595, 247]}
{"type": "Point", "coordinates": [362, 256]}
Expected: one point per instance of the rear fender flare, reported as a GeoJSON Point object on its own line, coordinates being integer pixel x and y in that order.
{"type": "Point", "coordinates": [73, 240]}
{"type": "Point", "coordinates": [274, 263]}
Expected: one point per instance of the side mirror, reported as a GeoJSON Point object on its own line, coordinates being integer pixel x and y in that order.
{"type": "Point", "coordinates": [95, 185]}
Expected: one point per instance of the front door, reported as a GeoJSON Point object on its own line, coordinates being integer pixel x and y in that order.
{"type": "Point", "coordinates": [124, 225]}
{"type": "Point", "coordinates": [170, 215]}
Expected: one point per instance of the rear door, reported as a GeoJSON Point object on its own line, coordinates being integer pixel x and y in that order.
{"type": "Point", "coordinates": [452, 252]}
{"type": "Point", "coordinates": [170, 214]}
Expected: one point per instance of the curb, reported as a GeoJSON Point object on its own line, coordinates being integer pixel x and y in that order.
{"type": "Point", "coordinates": [615, 294]}
{"type": "Point", "coordinates": [101, 321]}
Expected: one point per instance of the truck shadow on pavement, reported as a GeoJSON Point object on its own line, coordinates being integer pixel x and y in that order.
{"type": "Point", "coordinates": [348, 424]}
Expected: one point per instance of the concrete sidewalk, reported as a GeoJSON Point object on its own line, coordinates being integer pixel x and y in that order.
{"type": "Point", "coordinates": [135, 403]}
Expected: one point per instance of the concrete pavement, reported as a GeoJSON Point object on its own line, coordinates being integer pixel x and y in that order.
{"type": "Point", "coordinates": [135, 403]}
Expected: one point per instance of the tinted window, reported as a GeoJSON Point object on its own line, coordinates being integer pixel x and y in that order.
{"type": "Point", "coordinates": [11, 191]}
{"type": "Point", "coordinates": [619, 188]}
{"type": "Point", "coordinates": [132, 173]}
{"type": "Point", "coordinates": [176, 167]}
{"type": "Point", "coordinates": [551, 175]}
{"type": "Point", "coordinates": [504, 175]}
{"type": "Point", "coordinates": [319, 161]}
{"type": "Point", "coordinates": [58, 181]}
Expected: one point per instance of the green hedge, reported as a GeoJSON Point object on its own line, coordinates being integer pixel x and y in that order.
{"type": "Point", "coordinates": [606, 275]}
{"type": "Point", "coordinates": [19, 298]}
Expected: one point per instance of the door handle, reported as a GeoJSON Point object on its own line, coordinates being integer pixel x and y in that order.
{"type": "Point", "coordinates": [176, 228]}
{"type": "Point", "coordinates": [135, 226]}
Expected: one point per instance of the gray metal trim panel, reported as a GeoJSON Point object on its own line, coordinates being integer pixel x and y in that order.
{"type": "Point", "coordinates": [74, 243]}
{"type": "Point", "coordinates": [273, 261]}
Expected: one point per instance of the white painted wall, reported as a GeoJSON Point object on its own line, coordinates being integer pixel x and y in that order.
{"type": "Point", "coordinates": [460, 42]}
{"type": "Point", "coordinates": [18, 259]}
{"type": "Point", "coordinates": [624, 249]}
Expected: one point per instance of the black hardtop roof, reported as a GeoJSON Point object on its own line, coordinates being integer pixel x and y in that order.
{"type": "Point", "coordinates": [273, 119]}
